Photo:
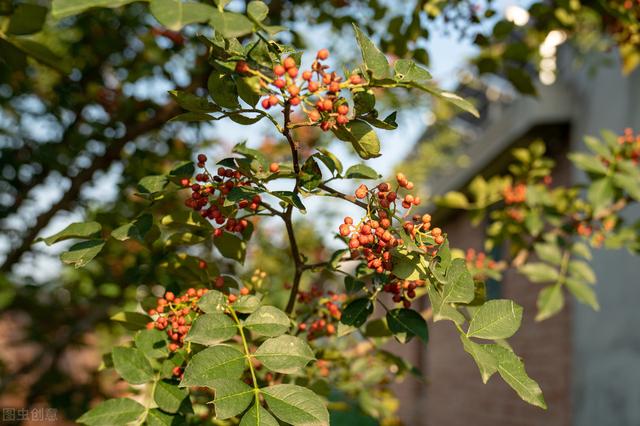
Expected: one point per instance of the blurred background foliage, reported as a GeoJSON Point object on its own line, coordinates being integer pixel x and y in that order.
{"type": "Point", "coordinates": [83, 117]}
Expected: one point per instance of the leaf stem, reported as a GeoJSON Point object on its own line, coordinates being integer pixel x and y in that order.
{"type": "Point", "coordinates": [247, 354]}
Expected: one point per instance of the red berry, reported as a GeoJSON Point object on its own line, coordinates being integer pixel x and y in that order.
{"type": "Point", "coordinates": [273, 100]}
{"type": "Point", "coordinates": [314, 115]}
{"type": "Point", "coordinates": [244, 291]}
{"type": "Point", "coordinates": [202, 264]}
{"type": "Point", "coordinates": [279, 83]}
{"type": "Point", "coordinates": [362, 191]}
{"type": "Point", "coordinates": [169, 296]}
{"type": "Point", "coordinates": [313, 86]}
{"type": "Point", "coordinates": [184, 182]}
{"type": "Point", "coordinates": [348, 220]}
{"type": "Point", "coordinates": [232, 298]}
{"type": "Point", "coordinates": [293, 72]}
{"type": "Point", "coordinates": [355, 79]}
{"type": "Point", "coordinates": [327, 104]}
{"type": "Point", "coordinates": [295, 101]}
{"type": "Point", "coordinates": [266, 104]}
{"type": "Point", "coordinates": [274, 168]}
{"type": "Point", "coordinates": [342, 119]}
{"type": "Point", "coordinates": [307, 75]}
{"type": "Point", "coordinates": [279, 70]}
{"type": "Point", "coordinates": [202, 158]}
{"type": "Point", "coordinates": [343, 109]}
{"type": "Point", "coordinates": [334, 87]}
{"type": "Point", "coordinates": [289, 62]}
{"type": "Point", "coordinates": [242, 67]}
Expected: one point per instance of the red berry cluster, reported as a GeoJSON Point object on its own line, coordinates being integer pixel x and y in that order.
{"type": "Point", "coordinates": [208, 195]}
{"type": "Point", "coordinates": [403, 290]}
{"type": "Point", "coordinates": [480, 264]}
{"type": "Point", "coordinates": [515, 194]}
{"type": "Point", "coordinates": [316, 89]}
{"type": "Point", "coordinates": [175, 314]}
{"type": "Point", "coordinates": [328, 314]}
{"type": "Point", "coordinates": [375, 236]}
{"type": "Point", "coordinates": [630, 145]}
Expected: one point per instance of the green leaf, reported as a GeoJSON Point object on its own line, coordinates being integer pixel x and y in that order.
{"type": "Point", "coordinates": [213, 301]}
{"type": "Point", "coordinates": [407, 71]}
{"type": "Point", "coordinates": [249, 89]}
{"type": "Point", "coordinates": [111, 412]}
{"type": "Point", "coordinates": [171, 398]}
{"type": "Point", "coordinates": [496, 319]}
{"type": "Point", "coordinates": [362, 136]}
{"type": "Point", "coordinates": [247, 304]}
{"type": "Point", "coordinates": [210, 329]}
{"type": "Point", "coordinates": [452, 98]}
{"type": "Point", "coordinates": [406, 323]}
{"type": "Point", "coordinates": [310, 175]}
{"type": "Point", "coordinates": [375, 61]}
{"type": "Point", "coordinates": [216, 362]}
{"type": "Point", "coordinates": [26, 19]}
{"type": "Point", "coordinates": [550, 301]}
{"type": "Point", "coordinates": [290, 198]}
{"type": "Point", "coordinates": [630, 184]}
{"type": "Point", "coordinates": [582, 271]}
{"type": "Point", "coordinates": [511, 369]}
{"type": "Point", "coordinates": [132, 320]}
{"type": "Point", "coordinates": [353, 285]}
{"type": "Point", "coordinates": [74, 230]}
{"type": "Point", "coordinates": [296, 405]}
{"type": "Point", "coordinates": [156, 417]}
{"type": "Point", "coordinates": [230, 24]}
{"type": "Point", "coordinates": [538, 272]}
{"type": "Point", "coordinates": [284, 354]}
{"type": "Point", "coordinates": [175, 14]}
{"type": "Point", "coordinates": [63, 8]}
{"type": "Point", "coordinates": [442, 310]}
{"type": "Point", "coordinates": [232, 397]}
{"type": "Point", "coordinates": [268, 321]}
{"type": "Point", "coordinates": [194, 103]}
{"type": "Point", "coordinates": [583, 292]}
{"type": "Point", "coordinates": [588, 163]}
{"type": "Point", "coordinates": [459, 287]}
{"type": "Point", "coordinates": [152, 343]}
{"type": "Point", "coordinates": [152, 184]}
{"type": "Point", "coordinates": [231, 246]}
{"type": "Point", "coordinates": [329, 159]}
{"type": "Point", "coordinates": [136, 229]}
{"type": "Point", "coordinates": [222, 90]}
{"type": "Point", "coordinates": [357, 312]}
{"type": "Point", "coordinates": [82, 253]}
{"type": "Point", "coordinates": [549, 252]}
{"type": "Point", "coordinates": [453, 200]}
{"type": "Point", "coordinates": [364, 102]}
{"type": "Point", "coordinates": [600, 194]}
{"type": "Point", "coordinates": [131, 365]}
{"type": "Point", "coordinates": [487, 364]}
{"type": "Point", "coordinates": [40, 53]}
{"type": "Point", "coordinates": [258, 416]}
{"type": "Point", "coordinates": [257, 10]}
{"type": "Point", "coordinates": [361, 171]}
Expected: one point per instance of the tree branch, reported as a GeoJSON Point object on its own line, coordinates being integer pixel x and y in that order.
{"type": "Point", "coordinates": [102, 162]}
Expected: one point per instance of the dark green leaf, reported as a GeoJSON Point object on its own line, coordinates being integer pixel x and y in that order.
{"type": "Point", "coordinates": [171, 398]}
{"type": "Point", "coordinates": [374, 60]}
{"type": "Point", "coordinates": [406, 323]}
{"type": "Point", "coordinates": [213, 301]}
{"type": "Point", "coordinates": [232, 397]}
{"type": "Point", "coordinates": [296, 405]}
{"type": "Point", "coordinates": [132, 320]}
{"type": "Point", "coordinates": [361, 171]}
{"type": "Point", "coordinates": [27, 18]}
{"type": "Point", "coordinates": [268, 321]}
{"type": "Point", "coordinates": [216, 362]}
{"type": "Point", "coordinates": [362, 136]}
{"type": "Point", "coordinates": [222, 90]}
{"type": "Point", "coordinates": [231, 246]}
{"type": "Point", "coordinates": [210, 329]}
{"type": "Point", "coordinates": [82, 253]}
{"type": "Point", "coordinates": [132, 365]}
{"type": "Point", "coordinates": [284, 354]}
{"type": "Point", "coordinates": [152, 343]}
{"type": "Point", "coordinates": [258, 416]}
{"type": "Point", "coordinates": [136, 229]}
{"type": "Point", "coordinates": [75, 230]}
{"type": "Point", "coordinates": [112, 412]}
{"type": "Point", "coordinates": [175, 14]}
{"type": "Point", "coordinates": [357, 312]}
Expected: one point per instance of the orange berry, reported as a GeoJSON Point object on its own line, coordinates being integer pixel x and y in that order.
{"type": "Point", "coordinates": [293, 90]}
{"type": "Point", "coordinates": [306, 75]}
{"type": "Point", "coordinates": [322, 54]}
{"type": "Point", "coordinates": [274, 167]}
{"type": "Point", "coordinates": [232, 298]}
{"type": "Point", "coordinates": [279, 70]}
{"type": "Point", "coordinates": [355, 79]}
{"type": "Point", "coordinates": [289, 62]}
{"type": "Point", "coordinates": [244, 291]}
{"type": "Point", "coordinates": [343, 109]}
